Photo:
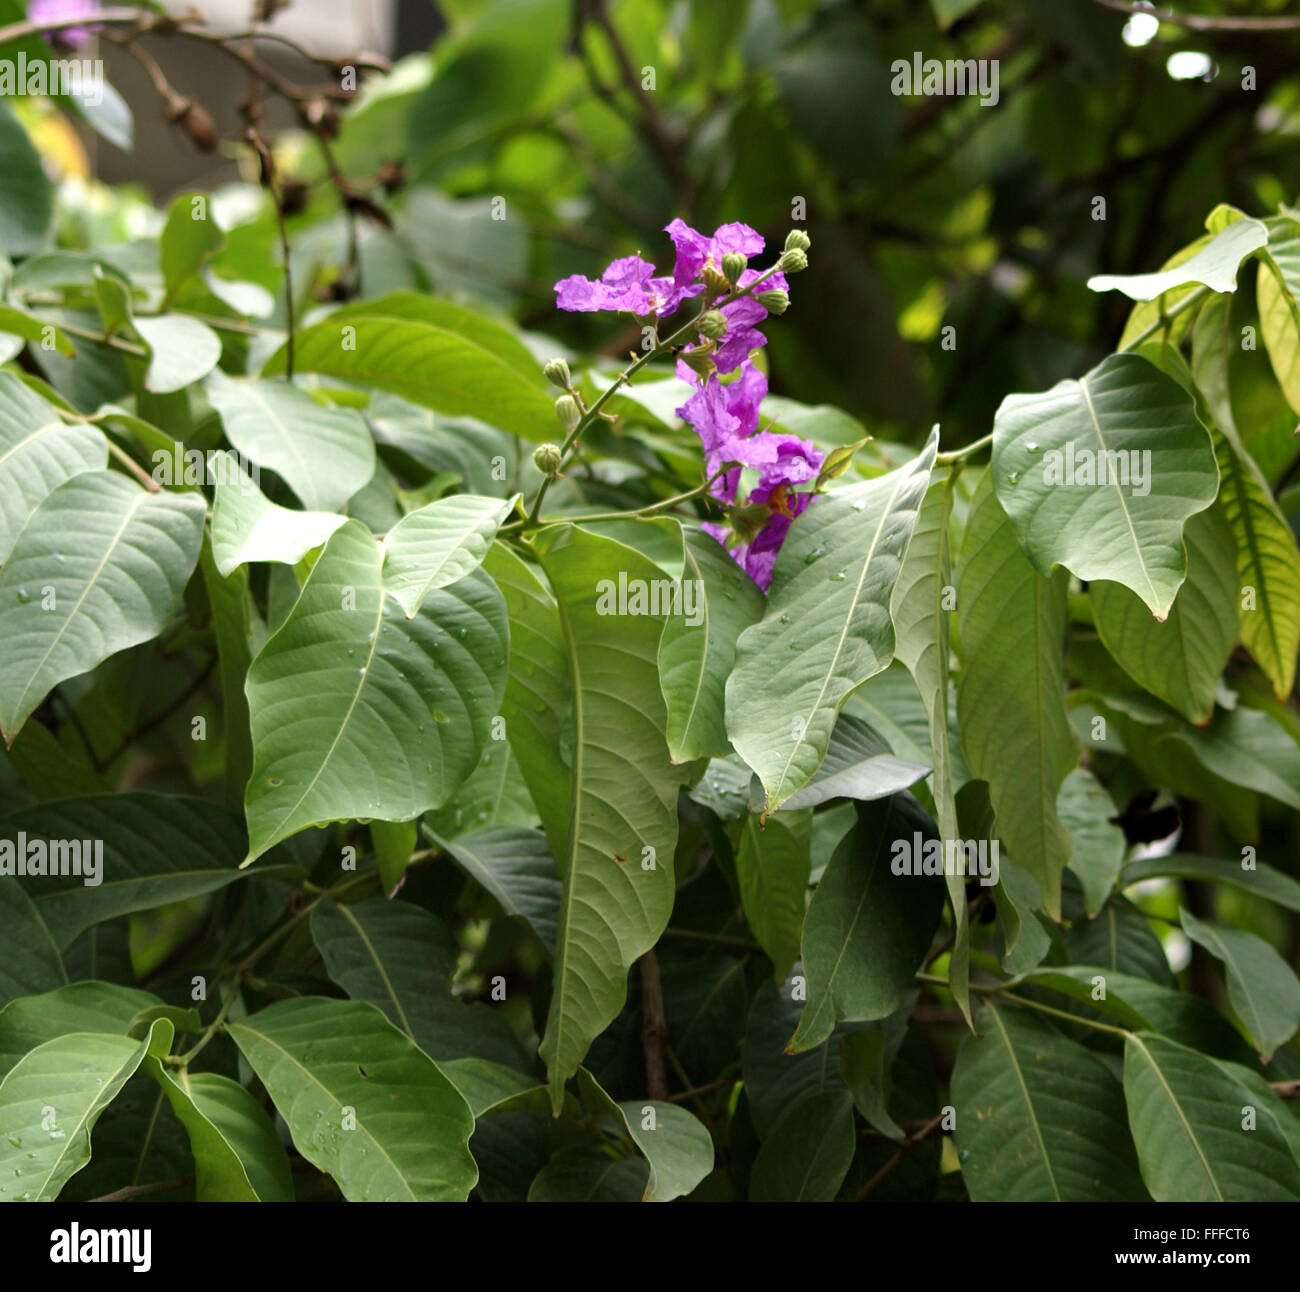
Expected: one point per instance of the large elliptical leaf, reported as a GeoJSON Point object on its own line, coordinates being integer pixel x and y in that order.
{"type": "Point", "coordinates": [1186, 1114]}
{"type": "Point", "coordinates": [868, 927]}
{"type": "Point", "coordinates": [358, 712]}
{"type": "Point", "coordinates": [401, 958]}
{"type": "Point", "coordinates": [1017, 737]}
{"type": "Point", "coordinates": [157, 848]}
{"type": "Point", "coordinates": [433, 353]}
{"type": "Point", "coordinates": [858, 765]}
{"type": "Point", "coordinates": [1276, 288]}
{"type": "Point", "coordinates": [1039, 1117]}
{"type": "Point", "coordinates": [514, 864]}
{"type": "Point", "coordinates": [1215, 265]}
{"type": "Point", "coordinates": [826, 628]}
{"type": "Point", "coordinates": [1098, 844]}
{"type": "Point", "coordinates": [1181, 658]}
{"type": "Point", "coordinates": [1262, 987]}
{"type": "Point", "coordinates": [772, 868]}
{"type": "Point", "coordinates": [362, 1102]}
{"type": "Point", "coordinates": [91, 1006]}
{"type": "Point", "coordinates": [38, 452]}
{"type": "Point", "coordinates": [31, 962]}
{"type": "Point", "coordinates": [323, 454]}
{"type": "Point", "coordinates": [675, 1145]}
{"type": "Point", "coordinates": [537, 691]}
{"type": "Point", "coordinates": [99, 566]}
{"type": "Point", "coordinates": [921, 609]}
{"type": "Point", "coordinates": [247, 526]}
{"type": "Point", "coordinates": [695, 659]}
{"type": "Point", "coordinates": [238, 1156]}
{"type": "Point", "coordinates": [439, 544]}
{"type": "Point", "coordinates": [77, 1075]}
{"type": "Point", "coordinates": [617, 861]}
{"type": "Point", "coordinates": [1127, 417]}
{"type": "Point", "coordinates": [1268, 560]}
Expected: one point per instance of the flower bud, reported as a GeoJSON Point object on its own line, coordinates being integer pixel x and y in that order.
{"type": "Point", "coordinates": [792, 261]}
{"type": "Point", "coordinates": [748, 520]}
{"type": "Point", "coordinates": [774, 301]}
{"type": "Point", "coordinates": [699, 360]}
{"type": "Point", "coordinates": [567, 410]}
{"type": "Point", "coordinates": [715, 282]}
{"type": "Point", "coordinates": [733, 265]}
{"type": "Point", "coordinates": [557, 373]}
{"type": "Point", "coordinates": [797, 240]}
{"type": "Point", "coordinates": [712, 324]}
{"type": "Point", "coordinates": [547, 458]}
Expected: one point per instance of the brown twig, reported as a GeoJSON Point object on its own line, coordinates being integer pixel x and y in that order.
{"type": "Point", "coordinates": [138, 1190]}
{"type": "Point", "coordinates": [654, 1027]}
{"type": "Point", "coordinates": [891, 1166]}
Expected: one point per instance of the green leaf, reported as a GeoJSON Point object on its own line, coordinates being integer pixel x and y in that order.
{"type": "Point", "coordinates": [1181, 658]}
{"type": "Point", "coordinates": [858, 765]}
{"type": "Point", "coordinates": [585, 1173]}
{"type": "Point", "coordinates": [248, 527]}
{"type": "Point", "coordinates": [868, 928]}
{"type": "Point", "coordinates": [676, 1146]}
{"type": "Point", "coordinates": [516, 867]}
{"type": "Point", "coordinates": [776, 1080]}
{"type": "Point", "coordinates": [1215, 265]}
{"type": "Point", "coordinates": [921, 609]}
{"type": "Point", "coordinates": [1246, 747]}
{"type": "Point", "coordinates": [1186, 1114]}
{"type": "Point", "coordinates": [772, 868]}
{"type": "Point", "coordinates": [401, 958]}
{"type": "Point", "coordinates": [30, 1021]}
{"type": "Point", "coordinates": [695, 659]}
{"type": "Point", "coordinates": [1097, 855]}
{"type": "Point", "coordinates": [491, 1089]}
{"type": "Point", "coordinates": [807, 1154]}
{"type": "Point", "coordinates": [1039, 1117]}
{"type": "Point", "coordinates": [18, 323]}
{"type": "Point", "coordinates": [537, 693]}
{"type": "Point", "coordinates": [238, 1156]}
{"type": "Point", "coordinates": [1279, 312]}
{"type": "Point", "coordinates": [1052, 449]}
{"type": "Point", "coordinates": [358, 712]}
{"type": "Point", "coordinates": [77, 1076]}
{"type": "Point", "coordinates": [1119, 939]}
{"type": "Point", "coordinates": [27, 201]}
{"type": "Point", "coordinates": [181, 351]}
{"type": "Point", "coordinates": [323, 454]}
{"type": "Point", "coordinates": [946, 12]}
{"type": "Point", "coordinates": [99, 566]}
{"type": "Point", "coordinates": [32, 962]}
{"type": "Point", "coordinates": [431, 353]}
{"type": "Point", "coordinates": [362, 1102]}
{"type": "Point", "coordinates": [1248, 875]}
{"type": "Point", "coordinates": [617, 862]}
{"type": "Point", "coordinates": [157, 848]}
{"type": "Point", "coordinates": [1015, 733]}
{"type": "Point", "coordinates": [1262, 987]}
{"type": "Point", "coordinates": [439, 544]}
{"type": "Point", "coordinates": [232, 619]}
{"type": "Point", "coordinates": [826, 628]}
{"type": "Point", "coordinates": [189, 239]}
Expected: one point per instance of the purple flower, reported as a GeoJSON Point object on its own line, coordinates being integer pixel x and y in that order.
{"type": "Point", "coordinates": [694, 250]}
{"type": "Point", "coordinates": [627, 284]}
{"type": "Point", "coordinates": [57, 10]}
{"type": "Point", "coordinates": [726, 419]}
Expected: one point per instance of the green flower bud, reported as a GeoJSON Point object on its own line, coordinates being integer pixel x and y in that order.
{"type": "Point", "coordinates": [699, 360]}
{"type": "Point", "coordinates": [733, 265]}
{"type": "Point", "coordinates": [774, 301]}
{"type": "Point", "coordinates": [557, 373]}
{"type": "Point", "coordinates": [567, 410]}
{"type": "Point", "coordinates": [712, 325]}
{"type": "Point", "coordinates": [748, 520]}
{"type": "Point", "coordinates": [797, 240]}
{"type": "Point", "coordinates": [792, 261]}
{"type": "Point", "coordinates": [547, 458]}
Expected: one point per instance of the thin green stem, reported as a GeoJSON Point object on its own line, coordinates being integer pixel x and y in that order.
{"type": "Point", "coordinates": [1166, 315]}
{"type": "Point", "coordinates": [183, 1060]}
{"type": "Point", "coordinates": [960, 455]}
{"type": "Point", "coordinates": [1000, 991]}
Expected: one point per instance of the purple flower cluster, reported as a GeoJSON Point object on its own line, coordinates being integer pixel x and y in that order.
{"type": "Point", "coordinates": [724, 415]}
{"type": "Point", "coordinates": [57, 11]}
